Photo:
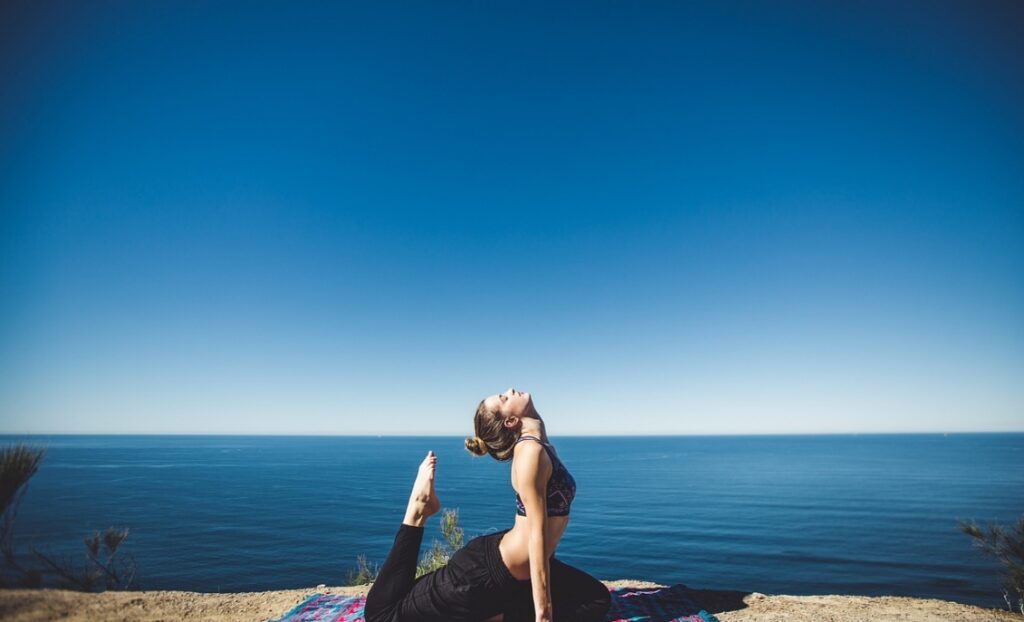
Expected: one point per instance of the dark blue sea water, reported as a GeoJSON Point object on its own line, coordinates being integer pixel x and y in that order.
{"type": "Point", "coordinates": [857, 514]}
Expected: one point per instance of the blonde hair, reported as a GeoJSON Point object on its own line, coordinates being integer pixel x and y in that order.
{"type": "Point", "coordinates": [476, 446]}
{"type": "Point", "coordinates": [492, 437]}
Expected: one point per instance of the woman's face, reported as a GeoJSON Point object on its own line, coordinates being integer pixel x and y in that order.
{"type": "Point", "coordinates": [511, 403]}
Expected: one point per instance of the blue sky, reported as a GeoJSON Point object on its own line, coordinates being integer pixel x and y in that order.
{"type": "Point", "coordinates": [348, 218]}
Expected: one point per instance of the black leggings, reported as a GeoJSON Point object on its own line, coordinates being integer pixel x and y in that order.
{"type": "Point", "coordinates": [475, 585]}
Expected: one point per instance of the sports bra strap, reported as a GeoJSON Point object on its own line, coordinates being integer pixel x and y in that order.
{"type": "Point", "coordinates": [528, 437]}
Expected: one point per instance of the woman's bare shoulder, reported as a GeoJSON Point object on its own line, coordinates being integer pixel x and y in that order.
{"type": "Point", "coordinates": [528, 449]}
{"type": "Point", "coordinates": [531, 459]}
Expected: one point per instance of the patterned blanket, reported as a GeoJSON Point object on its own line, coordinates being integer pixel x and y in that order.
{"type": "Point", "coordinates": [665, 604]}
{"type": "Point", "coordinates": [629, 604]}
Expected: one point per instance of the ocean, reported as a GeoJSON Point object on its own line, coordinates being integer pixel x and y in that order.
{"type": "Point", "coordinates": [829, 514]}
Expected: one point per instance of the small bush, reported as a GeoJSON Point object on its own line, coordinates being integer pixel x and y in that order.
{"type": "Point", "coordinates": [439, 552]}
{"type": "Point", "coordinates": [363, 573]}
{"type": "Point", "coordinates": [1008, 547]}
{"type": "Point", "coordinates": [436, 557]}
{"type": "Point", "coordinates": [18, 464]}
{"type": "Point", "coordinates": [103, 567]}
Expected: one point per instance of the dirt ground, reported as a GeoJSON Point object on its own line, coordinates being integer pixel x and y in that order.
{"type": "Point", "coordinates": [728, 606]}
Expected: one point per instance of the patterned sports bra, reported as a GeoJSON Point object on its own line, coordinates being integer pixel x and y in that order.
{"type": "Point", "coordinates": [561, 486]}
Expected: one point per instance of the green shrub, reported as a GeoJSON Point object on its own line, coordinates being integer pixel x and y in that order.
{"type": "Point", "coordinates": [436, 557]}
{"type": "Point", "coordinates": [18, 464]}
{"type": "Point", "coordinates": [439, 552]}
{"type": "Point", "coordinates": [1008, 547]}
{"type": "Point", "coordinates": [103, 568]}
{"type": "Point", "coordinates": [363, 573]}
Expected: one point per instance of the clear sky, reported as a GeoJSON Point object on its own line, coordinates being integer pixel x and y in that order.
{"type": "Point", "coordinates": [362, 218]}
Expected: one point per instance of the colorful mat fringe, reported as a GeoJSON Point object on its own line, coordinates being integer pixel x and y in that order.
{"type": "Point", "coordinates": [629, 604]}
{"type": "Point", "coordinates": [664, 604]}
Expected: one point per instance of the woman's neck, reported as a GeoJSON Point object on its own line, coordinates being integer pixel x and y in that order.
{"type": "Point", "coordinates": [535, 429]}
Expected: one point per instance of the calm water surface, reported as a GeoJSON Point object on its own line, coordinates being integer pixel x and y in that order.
{"type": "Point", "coordinates": [857, 514]}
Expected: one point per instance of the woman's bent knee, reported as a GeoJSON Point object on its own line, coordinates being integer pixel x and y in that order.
{"type": "Point", "coordinates": [597, 609]}
{"type": "Point", "coordinates": [373, 613]}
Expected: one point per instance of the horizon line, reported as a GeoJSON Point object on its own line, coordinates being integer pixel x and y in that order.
{"type": "Point", "coordinates": [389, 435]}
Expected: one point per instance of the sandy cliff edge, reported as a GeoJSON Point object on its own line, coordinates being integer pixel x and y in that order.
{"type": "Point", "coordinates": [23, 605]}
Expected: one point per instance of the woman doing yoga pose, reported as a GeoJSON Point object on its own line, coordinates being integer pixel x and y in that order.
{"type": "Point", "coordinates": [508, 576]}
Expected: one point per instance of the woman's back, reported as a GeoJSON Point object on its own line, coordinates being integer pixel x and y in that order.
{"type": "Point", "coordinates": [514, 546]}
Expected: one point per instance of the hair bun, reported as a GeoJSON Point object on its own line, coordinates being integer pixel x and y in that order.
{"type": "Point", "coordinates": [476, 446]}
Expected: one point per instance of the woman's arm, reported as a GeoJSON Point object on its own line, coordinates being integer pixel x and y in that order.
{"type": "Point", "coordinates": [533, 473]}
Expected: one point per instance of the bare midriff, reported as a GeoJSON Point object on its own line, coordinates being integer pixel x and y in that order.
{"type": "Point", "coordinates": [515, 544]}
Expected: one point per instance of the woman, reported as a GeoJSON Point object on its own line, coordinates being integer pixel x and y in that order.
{"type": "Point", "coordinates": [508, 576]}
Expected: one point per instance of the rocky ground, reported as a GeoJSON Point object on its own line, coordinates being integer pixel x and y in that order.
{"type": "Point", "coordinates": [45, 605]}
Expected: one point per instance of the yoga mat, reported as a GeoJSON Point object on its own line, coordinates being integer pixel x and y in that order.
{"type": "Point", "coordinates": [655, 604]}
{"type": "Point", "coordinates": [629, 604]}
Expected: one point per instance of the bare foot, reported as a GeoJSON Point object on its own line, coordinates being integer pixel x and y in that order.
{"type": "Point", "coordinates": [423, 503]}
